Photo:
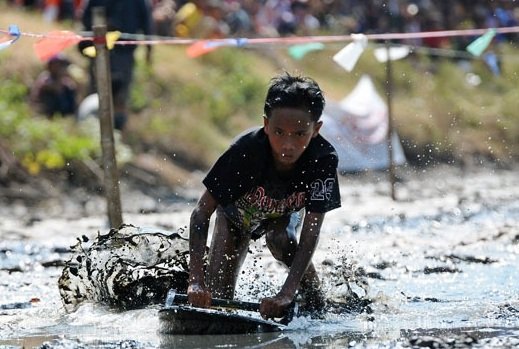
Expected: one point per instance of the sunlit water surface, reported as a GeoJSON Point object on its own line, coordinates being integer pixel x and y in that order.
{"type": "Point", "coordinates": [440, 261]}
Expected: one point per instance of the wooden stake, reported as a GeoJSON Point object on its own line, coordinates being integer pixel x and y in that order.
{"type": "Point", "coordinates": [106, 111]}
{"type": "Point", "coordinates": [389, 92]}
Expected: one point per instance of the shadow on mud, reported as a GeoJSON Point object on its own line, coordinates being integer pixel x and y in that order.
{"type": "Point", "coordinates": [464, 337]}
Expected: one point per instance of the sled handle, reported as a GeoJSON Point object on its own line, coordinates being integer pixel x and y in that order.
{"type": "Point", "coordinates": [178, 298]}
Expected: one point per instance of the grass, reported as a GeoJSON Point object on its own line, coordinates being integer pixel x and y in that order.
{"type": "Point", "coordinates": [190, 109]}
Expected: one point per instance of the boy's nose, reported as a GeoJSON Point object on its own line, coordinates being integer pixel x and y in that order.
{"type": "Point", "coordinates": [288, 145]}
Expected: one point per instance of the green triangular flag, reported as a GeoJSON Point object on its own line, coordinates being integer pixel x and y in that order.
{"type": "Point", "coordinates": [299, 51]}
{"type": "Point", "coordinates": [479, 45]}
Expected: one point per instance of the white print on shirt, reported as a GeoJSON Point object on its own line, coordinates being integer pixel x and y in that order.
{"type": "Point", "coordinates": [258, 198]}
{"type": "Point", "coordinates": [322, 190]}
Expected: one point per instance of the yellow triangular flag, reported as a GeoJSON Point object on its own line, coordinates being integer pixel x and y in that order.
{"type": "Point", "coordinates": [111, 38]}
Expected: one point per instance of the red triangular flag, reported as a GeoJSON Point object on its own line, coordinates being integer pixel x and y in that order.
{"type": "Point", "coordinates": [200, 48]}
{"type": "Point", "coordinates": [55, 42]}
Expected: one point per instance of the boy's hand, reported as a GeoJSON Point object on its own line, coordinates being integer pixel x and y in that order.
{"type": "Point", "coordinates": [274, 307]}
{"type": "Point", "coordinates": [199, 296]}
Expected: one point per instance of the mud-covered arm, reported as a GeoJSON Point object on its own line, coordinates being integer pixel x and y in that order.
{"type": "Point", "coordinates": [198, 231]}
{"type": "Point", "coordinates": [305, 250]}
{"type": "Point", "coordinates": [275, 306]}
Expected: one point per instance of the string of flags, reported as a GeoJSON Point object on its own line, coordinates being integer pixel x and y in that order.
{"type": "Point", "coordinates": [350, 54]}
{"type": "Point", "coordinates": [478, 46]}
{"type": "Point", "coordinates": [52, 43]}
{"type": "Point", "coordinates": [14, 35]}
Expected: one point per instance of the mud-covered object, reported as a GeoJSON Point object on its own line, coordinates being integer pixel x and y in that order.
{"type": "Point", "coordinates": [126, 268]}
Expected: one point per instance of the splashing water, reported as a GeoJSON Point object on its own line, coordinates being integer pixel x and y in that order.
{"type": "Point", "coordinates": [438, 263]}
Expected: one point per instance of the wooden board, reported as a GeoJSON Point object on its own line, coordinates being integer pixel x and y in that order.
{"type": "Point", "coordinates": [190, 320]}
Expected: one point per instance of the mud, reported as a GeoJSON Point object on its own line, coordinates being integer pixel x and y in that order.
{"type": "Point", "coordinates": [439, 266]}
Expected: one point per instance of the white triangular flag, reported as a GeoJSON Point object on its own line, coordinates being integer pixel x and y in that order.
{"type": "Point", "coordinates": [349, 55]}
{"type": "Point", "coordinates": [395, 53]}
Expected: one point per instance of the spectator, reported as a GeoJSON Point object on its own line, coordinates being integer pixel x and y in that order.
{"type": "Point", "coordinates": [129, 17]}
{"type": "Point", "coordinates": [54, 91]}
{"type": "Point", "coordinates": [238, 19]}
{"type": "Point", "coordinates": [202, 19]}
{"type": "Point", "coordinates": [266, 16]}
{"type": "Point", "coordinates": [54, 10]}
{"type": "Point", "coordinates": [298, 20]}
{"type": "Point", "coordinates": [163, 16]}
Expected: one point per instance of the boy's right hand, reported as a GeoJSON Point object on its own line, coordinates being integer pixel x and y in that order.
{"type": "Point", "coordinates": [199, 296]}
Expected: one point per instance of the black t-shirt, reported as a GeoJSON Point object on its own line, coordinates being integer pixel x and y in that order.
{"type": "Point", "coordinates": [249, 189]}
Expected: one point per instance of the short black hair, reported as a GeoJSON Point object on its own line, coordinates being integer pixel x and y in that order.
{"type": "Point", "coordinates": [301, 92]}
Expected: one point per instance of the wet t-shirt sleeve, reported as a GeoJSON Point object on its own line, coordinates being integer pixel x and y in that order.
{"type": "Point", "coordinates": [233, 173]}
{"type": "Point", "coordinates": [323, 192]}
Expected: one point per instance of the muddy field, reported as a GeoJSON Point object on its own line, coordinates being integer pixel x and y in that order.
{"type": "Point", "coordinates": [439, 266]}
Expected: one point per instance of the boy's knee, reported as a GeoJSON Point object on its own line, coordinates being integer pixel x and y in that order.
{"type": "Point", "coordinates": [281, 245]}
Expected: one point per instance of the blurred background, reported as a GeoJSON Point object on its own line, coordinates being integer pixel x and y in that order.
{"type": "Point", "coordinates": [448, 106]}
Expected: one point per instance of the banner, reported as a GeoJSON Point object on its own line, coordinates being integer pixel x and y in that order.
{"type": "Point", "coordinates": [357, 127]}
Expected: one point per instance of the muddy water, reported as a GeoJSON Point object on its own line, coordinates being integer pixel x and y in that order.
{"type": "Point", "coordinates": [439, 264]}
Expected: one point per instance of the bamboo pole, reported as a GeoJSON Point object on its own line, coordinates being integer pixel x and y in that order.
{"type": "Point", "coordinates": [389, 93]}
{"type": "Point", "coordinates": [106, 111]}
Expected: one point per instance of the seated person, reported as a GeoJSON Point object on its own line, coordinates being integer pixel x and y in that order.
{"type": "Point", "coordinates": [54, 91]}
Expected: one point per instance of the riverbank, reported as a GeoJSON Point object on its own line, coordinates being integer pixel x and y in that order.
{"type": "Point", "coordinates": [444, 109]}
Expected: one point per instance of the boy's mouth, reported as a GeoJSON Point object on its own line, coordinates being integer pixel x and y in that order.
{"type": "Point", "coordinates": [286, 157]}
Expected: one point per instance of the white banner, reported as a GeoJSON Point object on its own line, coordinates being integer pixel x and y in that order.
{"type": "Point", "coordinates": [357, 126]}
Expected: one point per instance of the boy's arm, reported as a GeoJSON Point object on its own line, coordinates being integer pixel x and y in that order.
{"type": "Point", "coordinates": [197, 292]}
{"type": "Point", "coordinates": [275, 306]}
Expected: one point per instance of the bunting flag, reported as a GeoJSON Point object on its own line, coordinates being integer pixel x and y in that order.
{"type": "Point", "coordinates": [111, 38]}
{"type": "Point", "coordinates": [350, 54]}
{"type": "Point", "coordinates": [14, 33]}
{"type": "Point", "coordinates": [478, 46]}
{"type": "Point", "coordinates": [299, 51]}
{"type": "Point", "coordinates": [395, 53]}
{"type": "Point", "coordinates": [48, 45]}
{"type": "Point", "coordinates": [202, 47]}
{"type": "Point", "coordinates": [55, 42]}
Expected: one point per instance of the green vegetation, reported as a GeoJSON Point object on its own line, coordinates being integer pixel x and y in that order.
{"type": "Point", "coordinates": [40, 143]}
{"type": "Point", "coordinates": [438, 113]}
{"type": "Point", "coordinates": [190, 109]}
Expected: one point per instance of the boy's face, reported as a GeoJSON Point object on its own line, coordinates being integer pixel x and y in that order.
{"type": "Point", "coordinates": [289, 131]}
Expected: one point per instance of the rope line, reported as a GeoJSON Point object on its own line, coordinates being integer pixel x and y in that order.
{"type": "Point", "coordinates": [139, 39]}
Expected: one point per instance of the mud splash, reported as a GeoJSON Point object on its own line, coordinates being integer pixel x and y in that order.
{"type": "Point", "coordinates": [439, 266]}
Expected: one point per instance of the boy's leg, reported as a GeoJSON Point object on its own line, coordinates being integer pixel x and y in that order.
{"type": "Point", "coordinates": [226, 256]}
{"type": "Point", "coordinates": [282, 243]}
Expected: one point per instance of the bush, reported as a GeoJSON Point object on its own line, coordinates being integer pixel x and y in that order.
{"type": "Point", "coordinates": [40, 143]}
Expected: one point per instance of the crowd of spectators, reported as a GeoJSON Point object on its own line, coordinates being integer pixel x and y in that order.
{"type": "Point", "coordinates": [277, 18]}
{"type": "Point", "coordinates": [272, 18]}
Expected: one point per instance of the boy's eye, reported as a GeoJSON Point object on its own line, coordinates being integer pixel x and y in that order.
{"type": "Point", "coordinates": [300, 134]}
{"type": "Point", "coordinates": [278, 132]}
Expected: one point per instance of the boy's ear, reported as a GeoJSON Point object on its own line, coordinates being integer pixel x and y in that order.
{"type": "Point", "coordinates": [265, 121]}
{"type": "Point", "coordinates": [317, 127]}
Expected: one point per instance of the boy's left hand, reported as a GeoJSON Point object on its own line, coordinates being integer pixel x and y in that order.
{"type": "Point", "coordinates": [274, 307]}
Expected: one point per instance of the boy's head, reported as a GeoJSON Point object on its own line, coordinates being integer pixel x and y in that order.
{"type": "Point", "coordinates": [287, 91]}
{"type": "Point", "coordinates": [292, 110]}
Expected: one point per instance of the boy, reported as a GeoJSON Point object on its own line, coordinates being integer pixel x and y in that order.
{"type": "Point", "coordinates": [258, 187]}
